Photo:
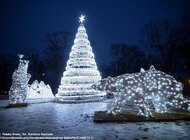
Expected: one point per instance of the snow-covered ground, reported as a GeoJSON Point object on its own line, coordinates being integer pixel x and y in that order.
{"type": "Point", "coordinates": [76, 120]}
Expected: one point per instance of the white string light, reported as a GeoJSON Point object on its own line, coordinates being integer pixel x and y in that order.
{"type": "Point", "coordinates": [39, 91]}
{"type": "Point", "coordinates": [146, 90]}
{"type": "Point", "coordinates": [81, 70]}
{"type": "Point", "coordinates": [19, 89]}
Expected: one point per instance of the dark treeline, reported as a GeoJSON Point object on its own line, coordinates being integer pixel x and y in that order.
{"type": "Point", "coordinates": [7, 67]}
{"type": "Point", "coordinates": [164, 44]}
{"type": "Point", "coordinates": [47, 65]}
{"type": "Point", "coordinates": [125, 59]}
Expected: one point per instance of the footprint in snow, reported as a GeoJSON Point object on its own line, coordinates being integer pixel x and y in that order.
{"type": "Point", "coordinates": [143, 129]}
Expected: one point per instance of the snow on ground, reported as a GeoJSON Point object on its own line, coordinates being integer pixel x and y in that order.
{"type": "Point", "coordinates": [76, 120]}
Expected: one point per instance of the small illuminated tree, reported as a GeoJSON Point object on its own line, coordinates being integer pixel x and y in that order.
{"type": "Point", "coordinates": [20, 78]}
{"type": "Point", "coordinates": [81, 70]}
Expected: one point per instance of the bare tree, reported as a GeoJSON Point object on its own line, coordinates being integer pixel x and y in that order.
{"type": "Point", "coordinates": [126, 59]}
{"type": "Point", "coordinates": [167, 38]}
{"type": "Point", "coordinates": [7, 66]}
{"type": "Point", "coordinates": [54, 56]}
{"type": "Point", "coordinates": [36, 65]}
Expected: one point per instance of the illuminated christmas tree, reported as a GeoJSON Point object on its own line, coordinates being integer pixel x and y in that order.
{"type": "Point", "coordinates": [81, 70]}
{"type": "Point", "coordinates": [20, 78]}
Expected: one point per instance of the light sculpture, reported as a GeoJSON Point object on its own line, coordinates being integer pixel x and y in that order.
{"type": "Point", "coordinates": [81, 70]}
{"type": "Point", "coordinates": [146, 91]}
{"type": "Point", "coordinates": [39, 91]}
{"type": "Point", "coordinates": [19, 88]}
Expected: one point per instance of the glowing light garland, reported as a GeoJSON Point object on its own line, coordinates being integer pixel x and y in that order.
{"type": "Point", "coordinates": [18, 90]}
{"type": "Point", "coordinates": [81, 70]}
{"type": "Point", "coordinates": [146, 91]}
{"type": "Point", "coordinates": [39, 91]}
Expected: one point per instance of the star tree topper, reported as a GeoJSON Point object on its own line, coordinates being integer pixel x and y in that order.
{"type": "Point", "coordinates": [81, 19]}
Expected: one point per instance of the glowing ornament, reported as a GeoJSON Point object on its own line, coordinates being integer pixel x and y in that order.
{"type": "Point", "coordinates": [81, 70]}
{"type": "Point", "coordinates": [19, 89]}
{"type": "Point", "coordinates": [81, 19]}
{"type": "Point", "coordinates": [39, 91]}
{"type": "Point", "coordinates": [145, 90]}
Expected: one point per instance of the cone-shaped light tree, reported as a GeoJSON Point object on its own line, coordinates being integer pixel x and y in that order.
{"type": "Point", "coordinates": [81, 70]}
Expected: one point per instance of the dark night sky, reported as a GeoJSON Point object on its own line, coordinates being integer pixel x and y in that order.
{"type": "Point", "coordinates": [24, 23]}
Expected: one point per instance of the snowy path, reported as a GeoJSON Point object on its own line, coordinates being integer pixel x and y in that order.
{"type": "Point", "coordinates": [76, 120]}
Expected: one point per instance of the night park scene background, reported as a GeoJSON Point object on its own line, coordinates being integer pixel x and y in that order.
{"type": "Point", "coordinates": [95, 69]}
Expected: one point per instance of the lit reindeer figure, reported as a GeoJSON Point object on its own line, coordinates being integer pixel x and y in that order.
{"type": "Point", "coordinates": [144, 90]}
